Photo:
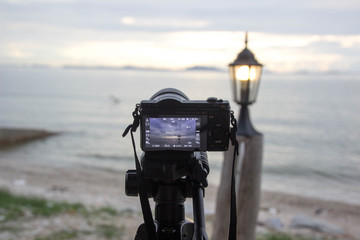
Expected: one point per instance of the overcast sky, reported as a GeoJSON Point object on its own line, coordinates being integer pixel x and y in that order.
{"type": "Point", "coordinates": [312, 35]}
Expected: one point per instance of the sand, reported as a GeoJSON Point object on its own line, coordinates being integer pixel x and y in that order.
{"type": "Point", "coordinates": [105, 187]}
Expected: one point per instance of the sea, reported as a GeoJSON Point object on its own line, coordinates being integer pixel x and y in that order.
{"type": "Point", "coordinates": [310, 122]}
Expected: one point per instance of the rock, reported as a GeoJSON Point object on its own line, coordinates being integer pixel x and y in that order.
{"type": "Point", "coordinates": [319, 211]}
{"type": "Point", "coordinates": [56, 188]}
{"type": "Point", "coordinates": [273, 211]}
{"type": "Point", "coordinates": [274, 224]}
{"type": "Point", "coordinates": [262, 230]}
{"type": "Point", "coordinates": [11, 136]}
{"type": "Point", "coordinates": [303, 221]}
{"type": "Point", "coordinates": [19, 182]}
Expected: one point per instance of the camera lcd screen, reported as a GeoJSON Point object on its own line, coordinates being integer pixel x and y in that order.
{"type": "Point", "coordinates": [168, 133]}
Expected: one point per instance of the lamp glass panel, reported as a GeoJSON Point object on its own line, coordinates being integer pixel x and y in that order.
{"type": "Point", "coordinates": [234, 84]}
{"type": "Point", "coordinates": [254, 82]}
{"type": "Point", "coordinates": [240, 85]}
{"type": "Point", "coordinates": [245, 82]}
{"type": "Point", "coordinates": [239, 75]}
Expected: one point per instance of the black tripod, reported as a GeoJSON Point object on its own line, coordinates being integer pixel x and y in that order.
{"type": "Point", "coordinates": [170, 178]}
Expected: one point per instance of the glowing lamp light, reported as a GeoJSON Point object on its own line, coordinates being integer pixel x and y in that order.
{"type": "Point", "coordinates": [245, 74]}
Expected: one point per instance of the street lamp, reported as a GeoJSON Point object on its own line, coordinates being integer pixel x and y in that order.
{"type": "Point", "coordinates": [245, 74]}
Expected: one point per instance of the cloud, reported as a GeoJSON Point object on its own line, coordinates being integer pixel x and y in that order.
{"type": "Point", "coordinates": [161, 22]}
{"type": "Point", "coordinates": [17, 51]}
{"type": "Point", "coordinates": [280, 16]}
{"type": "Point", "coordinates": [127, 20]}
{"type": "Point", "coordinates": [35, 1]}
{"type": "Point", "coordinates": [283, 53]}
{"type": "Point", "coordinates": [283, 35]}
{"type": "Point", "coordinates": [139, 53]}
{"type": "Point", "coordinates": [336, 5]}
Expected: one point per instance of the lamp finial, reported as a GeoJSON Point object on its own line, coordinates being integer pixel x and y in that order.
{"type": "Point", "coordinates": [246, 39]}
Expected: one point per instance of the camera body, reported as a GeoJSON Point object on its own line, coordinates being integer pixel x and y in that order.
{"type": "Point", "coordinates": [172, 122]}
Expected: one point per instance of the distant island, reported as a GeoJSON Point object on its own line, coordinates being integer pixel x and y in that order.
{"type": "Point", "coordinates": [114, 68]}
{"type": "Point", "coordinates": [202, 68]}
{"type": "Point", "coordinates": [196, 68]}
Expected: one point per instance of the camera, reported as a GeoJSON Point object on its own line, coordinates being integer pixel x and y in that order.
{"type": "Point", "coordinates": [172, 122]}
{"type": "Point", "coordinates": [175, 134]}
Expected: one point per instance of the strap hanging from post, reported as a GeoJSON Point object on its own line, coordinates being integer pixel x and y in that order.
{"type": "Point", "coordinates": [233, 217]}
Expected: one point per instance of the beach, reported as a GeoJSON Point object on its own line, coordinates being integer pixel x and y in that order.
{"type": "Point", "coordinates": [96, 187]}
{"type": "Point", "coordinates": [310, 165]}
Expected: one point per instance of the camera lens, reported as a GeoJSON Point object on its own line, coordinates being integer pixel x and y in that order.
{"type": "Point", "coordinates": [169, 93]}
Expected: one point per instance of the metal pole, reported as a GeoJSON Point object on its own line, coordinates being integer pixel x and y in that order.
{"type": "Point", "coordinates": [245, 127]}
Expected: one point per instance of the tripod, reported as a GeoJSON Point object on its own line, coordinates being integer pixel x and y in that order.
{"type": "Point", "coordinates": [170, 178]}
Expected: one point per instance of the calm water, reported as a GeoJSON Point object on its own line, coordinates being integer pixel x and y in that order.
{"type": "Point", "coordinates": [310, 122]}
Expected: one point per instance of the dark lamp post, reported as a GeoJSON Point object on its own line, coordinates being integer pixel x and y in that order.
{"type": "Point", "coordinates": [245, 74]}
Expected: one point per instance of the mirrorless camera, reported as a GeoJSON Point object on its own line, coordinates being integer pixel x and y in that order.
{"type": "Point", "coordinates": [172, 122]}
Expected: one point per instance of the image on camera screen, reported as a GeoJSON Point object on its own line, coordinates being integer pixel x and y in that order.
{"type": "Point", "coordinates": [172, 133]}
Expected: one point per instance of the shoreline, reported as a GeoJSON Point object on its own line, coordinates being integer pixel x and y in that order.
{"type": "Point", "coordinates": [96, 187]}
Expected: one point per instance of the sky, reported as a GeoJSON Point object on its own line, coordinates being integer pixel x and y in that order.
{"type": "Point", "coordinates": [286, 36]}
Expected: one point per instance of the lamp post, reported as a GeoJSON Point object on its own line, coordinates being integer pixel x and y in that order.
{"type": "Point", "coordinates": [245, 74]}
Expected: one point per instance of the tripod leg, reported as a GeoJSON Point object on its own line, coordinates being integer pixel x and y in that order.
{"type": "Point", "coordinates": [199, 216]}
{"type": "Point", "coordinates": [141, 233]}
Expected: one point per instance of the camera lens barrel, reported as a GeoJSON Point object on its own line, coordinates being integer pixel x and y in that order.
{"type": "Point", "coordinates": [169, 94]}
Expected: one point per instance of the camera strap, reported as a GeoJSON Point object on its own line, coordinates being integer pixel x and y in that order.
{"type": "Point", "coordinates": [144, 201]}
{"type": "Point", "coordinates": [234, 142]}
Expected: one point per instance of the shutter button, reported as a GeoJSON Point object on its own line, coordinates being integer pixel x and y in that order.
{"type": "Point", "coordinates": [212, 99]}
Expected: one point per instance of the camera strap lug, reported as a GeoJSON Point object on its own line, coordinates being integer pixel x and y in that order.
{"type": "Point", "coordinates": [233, 131]}
{"type": "Point", "coordinates": [136, 122]}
